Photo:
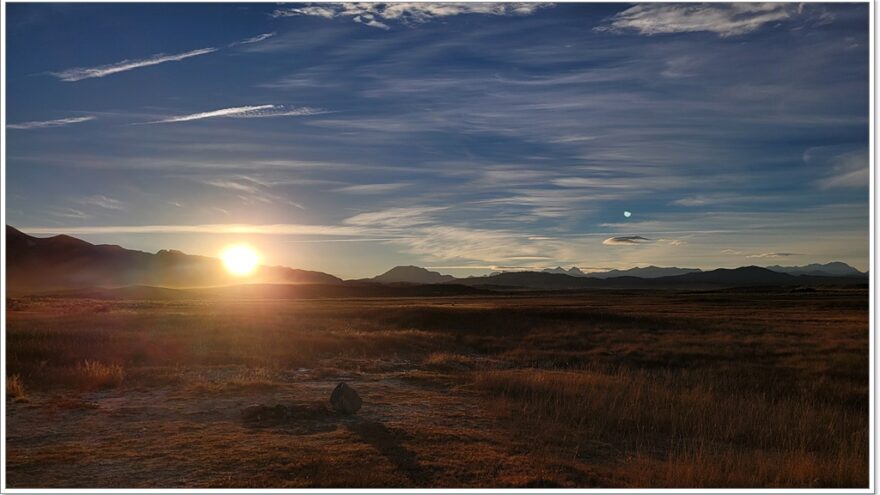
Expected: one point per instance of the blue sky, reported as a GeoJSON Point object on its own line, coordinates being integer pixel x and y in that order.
{"type": "Point", "coordinates": [349, 138]}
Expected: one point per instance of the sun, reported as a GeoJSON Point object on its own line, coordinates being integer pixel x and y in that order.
{"type": "Point", "coordinates": [240, 260]}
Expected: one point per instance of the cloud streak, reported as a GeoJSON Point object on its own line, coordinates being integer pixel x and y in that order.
{"type": "Point", "coordinates": [255, 39]}
{"type": "Point", "coordinates": [772, 255]}
{"type": "Point", "coordinates": [69, 213]}
{"type": "Point", "coordinates": [102, 201]}
{"type": "Point", "coordinates": [371, 188]}
{"type": "Point", "coordinates": [396, 217]}
{"type": "Point", "coordinates": [246, 112]}
{"type": "Point", "coordinates": [43, 124]}
{"type": "Point", "coordinates": [79, 73]}
{"type": "Point", "coordinates": [626, 240]}
{"type": "Point", "coordinates": [250, 190]}
{"type": "Point", "coordinates": [724, 19]}
{"type": "Point", "coordinates": [851, 170]}
{"type": "Point", "coordinates": [273, 229]}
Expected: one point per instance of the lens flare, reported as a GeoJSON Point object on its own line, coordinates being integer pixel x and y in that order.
{"type": "Point", "coordinates": [240, 260]}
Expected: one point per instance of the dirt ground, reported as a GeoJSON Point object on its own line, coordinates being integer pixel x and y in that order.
{"type": "Point", "coordinates": [583, 390]}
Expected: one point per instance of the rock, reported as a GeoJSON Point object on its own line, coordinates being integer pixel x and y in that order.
{"type": "Point", "coordinates": [345, 400]}
{"type": "Point", "coordinates": [261, 413]}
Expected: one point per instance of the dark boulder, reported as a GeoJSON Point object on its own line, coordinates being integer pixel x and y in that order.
{"type": "Point", "coordinates": [345, 400]}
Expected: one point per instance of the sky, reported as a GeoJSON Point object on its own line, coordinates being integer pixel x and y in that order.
{"type": "Point", "coordinates": [468, 138]}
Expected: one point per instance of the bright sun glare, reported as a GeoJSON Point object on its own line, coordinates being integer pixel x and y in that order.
{"type": "Point", "coordinates": [240, 260]}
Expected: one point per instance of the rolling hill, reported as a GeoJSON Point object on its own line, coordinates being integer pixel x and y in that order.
{"type": "Point", "coordinates": [641, 272]}
{"type": "Point", "coordinates": [35, 264]}
{"type": "Point", "coordinates": [644, 272]}
{"type": "Point", "coordinates": [411, 275]}
{"type": "Point", "coordinates": [63, 263]}
{"type": "Point", "coordinates": [714, 279]}
{"type": "Point", "coordinates": [833, 269]}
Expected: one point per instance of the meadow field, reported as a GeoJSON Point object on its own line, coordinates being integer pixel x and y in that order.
{"type": "Point", "coordinates": [592, 389]}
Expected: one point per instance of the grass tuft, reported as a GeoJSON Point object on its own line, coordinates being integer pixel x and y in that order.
{"type": "Point", "coordinates": [15, 389]}
{"type": "Point", "coordinates": [447, 361]}
{"type": "Point", "coordinates": [94, 375]}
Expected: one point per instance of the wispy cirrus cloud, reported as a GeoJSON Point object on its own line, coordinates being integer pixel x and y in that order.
{"type": "Point", "coordinates": [724, 19]}
{"type": "Point", "coordinates": [246, 112]}
{"type": "Point", "coordinates": [371, 188]}
{"type": "Point", "coordinates": [249, 189]}
{"type": "Point", "coordinates": [79, 73]}
{"type": "Point", "coordinates": [255, 39]}
{"type": "Point", "coordinates": [231, 184]}
{"type": "Point", "coordinates": [772, 255]}
{"type": "Point", "coordinates": [701, 200]}
{"type": "Point", "coordinates": [626, 240]}
{"type": "Point", "coordinates": [271, 229]}
{"type": "Point", "coordinates": [850, 170]}
{"type": "Point", "coordinates": [378, 15]}
{"type": "Point", "coordinates": [396, 217]}
{"type": "Point", "coordinates": [69, 213]}
{"type": "Point", "coordinates": [43, 124]}
{"type": "Point", "coordinates": [720, 199]}
{"type": "Point", "coordinates": [737, 252]}
{"type": "Point", "coordinates": [102, 201]}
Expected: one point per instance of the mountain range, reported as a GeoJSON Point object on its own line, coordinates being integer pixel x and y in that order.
{"type": "Point", "coordinates": [411, 275]}
{"type": "Point", "coordinates": [835, 268]}
{"type": "Point", "coordinates": [36, 264]}
{"type": "Point", "coordinates": [641, 272]}
{"type": "Point", "coordinates": [63, 263]}
{"type": "Point", "coordinates": [712, 279]}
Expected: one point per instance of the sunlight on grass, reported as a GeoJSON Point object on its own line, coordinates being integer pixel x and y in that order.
{"type": "Point", "coordinates": [92, 375]}
{"type": "Point", "coordinates": [652, 390]}
{"type": "Point", "coordinates": [15, 389]}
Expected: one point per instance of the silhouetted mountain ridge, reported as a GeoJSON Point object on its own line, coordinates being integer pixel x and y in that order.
{"type": "Point", "coordinates": [719, 278]}
{"type": "Point", "coordinates": [411, 275]}
{"type": "Point", "coordinates": [37, 264]}
{"type": "Point", "coordinates": [834, 269]}
{"type": "Point", "coordinates": [63, 263]}
{"type": "Point", "coordinates": [573, 271]}
{"type": "Point", "coordinates": [644, 272]}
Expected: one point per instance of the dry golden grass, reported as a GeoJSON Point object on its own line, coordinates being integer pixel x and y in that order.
{"type": "Point", "coordinates": [643, 389]}
{"type": "Point", "coordinates": [15, 389]}
{"type": "Point", "coordinates": [94, 375]}
{"type": "Point", "coordinates": [711, 433]}
{"type": "Point", "coordinates": [245, 379]}
{"type": "Point", "coordinates": [448, 361]}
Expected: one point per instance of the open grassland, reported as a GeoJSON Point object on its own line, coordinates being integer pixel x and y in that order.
{"type": "Point", "coordinates": [603, 389]}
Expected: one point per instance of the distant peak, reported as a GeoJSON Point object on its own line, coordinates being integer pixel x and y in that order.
{"type": "Point", "coordinates": [170, 252]}
{"type": "Point", "coordinates": [836, 268]}
{"type": "Point", "coordinates": [66, 240]}
{"type": "Point", "coordinates": [413, 268]}
{"type": "Point", "coordinates": [412, 274]}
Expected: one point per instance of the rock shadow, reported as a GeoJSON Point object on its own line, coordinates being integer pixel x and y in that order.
{"type": "Point", "coordinates": [306, 419]}
{"type": "Point", "coordinates": [389, 443]}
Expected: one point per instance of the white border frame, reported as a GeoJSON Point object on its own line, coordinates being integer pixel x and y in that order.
{"type": "Point", "coordinates": [873, 296]}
